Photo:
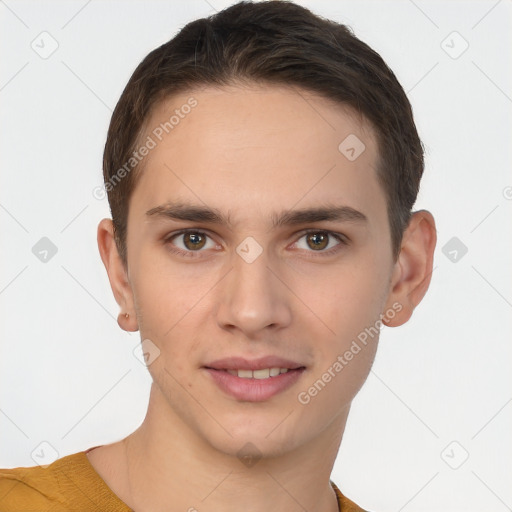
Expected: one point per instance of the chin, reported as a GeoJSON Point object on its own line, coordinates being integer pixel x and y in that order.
{"type": "Point", "coordinates": [265, 437]}
{"type": "Point", "coordinates": [251, 449]}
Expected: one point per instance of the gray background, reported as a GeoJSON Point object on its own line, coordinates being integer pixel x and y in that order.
{"type": "Point", "coordinates": [430, 429]}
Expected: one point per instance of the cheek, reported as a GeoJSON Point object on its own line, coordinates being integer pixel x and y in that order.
{"type": "Point", "coordinates": [345, 297]}
{"type": "Point", "coordinates": [166, 319]}
{"type": "Point", "coordinates": [164, 293]}
{"type": "Point", "coordinates": [347, 325]}
{"type": "Point", "coordinates": [170, 304]}
{"type": "Point", "coordinates": [347, 339]}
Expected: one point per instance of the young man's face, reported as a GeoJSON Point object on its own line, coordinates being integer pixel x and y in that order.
{"type": "Point", "coordinates": [252, 288]}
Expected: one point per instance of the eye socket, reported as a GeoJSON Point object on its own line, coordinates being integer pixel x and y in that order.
{"type": "Point", "coordinates": [193, 241]}
{"type": "Point", "coordinates": [321, 241]}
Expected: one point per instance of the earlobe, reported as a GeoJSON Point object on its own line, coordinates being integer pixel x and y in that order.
{"type": "Point", "coordinates": [117, 275]}
{"type": "Point", "coordinates": [413, 269]}
{"type": "Point", "coordinates": [126, 322]}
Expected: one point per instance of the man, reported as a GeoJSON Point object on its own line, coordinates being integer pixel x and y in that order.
{"type": "Point", "coordinates": [261, 169]}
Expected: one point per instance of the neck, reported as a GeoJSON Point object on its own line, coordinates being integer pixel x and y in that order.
{"type": "Point", "coordinates": [168, 465]}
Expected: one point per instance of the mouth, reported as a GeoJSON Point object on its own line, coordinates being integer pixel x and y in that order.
{"type": "Point", "coordinates": [264, 373]}
{"type": "Point", "coordinates": [270, 363]}
{"type": "Point", "coordinates": [254, 385]}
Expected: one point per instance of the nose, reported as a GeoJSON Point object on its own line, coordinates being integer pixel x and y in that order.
{"type": "Point", "coordinates": [253, 298]}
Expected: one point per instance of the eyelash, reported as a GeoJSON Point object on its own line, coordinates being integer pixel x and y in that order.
{"type": "Point", "coordinates": [195, 254]}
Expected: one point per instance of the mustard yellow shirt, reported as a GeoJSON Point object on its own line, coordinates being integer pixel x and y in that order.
{"type": "Point", "coordinates": [71, 484]}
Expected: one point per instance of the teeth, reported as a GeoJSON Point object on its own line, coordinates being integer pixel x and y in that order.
{"type": "Point", "coordinates": [258, 374]}
{"type": "Point", "coordinates": [275, 371]}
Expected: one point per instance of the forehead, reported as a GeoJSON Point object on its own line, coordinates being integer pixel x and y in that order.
{"type": "Point", "coordinates": [258, 147]}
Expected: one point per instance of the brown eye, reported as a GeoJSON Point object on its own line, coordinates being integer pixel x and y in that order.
{"type": "Point", "coordinates": [321, 242]}
{"type": "Point", "coordinates": [190, 243]}
{"type": "Point", "coordinates": [194, 241]}
{"type": "Point", "coordinates": [317, 241]}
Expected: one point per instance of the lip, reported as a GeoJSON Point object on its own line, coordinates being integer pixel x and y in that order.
{"type": "Point", "coordinates": [240, 363]}
{"type": "Point", "coordinates": [254, 390]}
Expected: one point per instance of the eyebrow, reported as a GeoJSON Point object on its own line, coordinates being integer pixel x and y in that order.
{"type": "Point", "coordinates": [182, 211]}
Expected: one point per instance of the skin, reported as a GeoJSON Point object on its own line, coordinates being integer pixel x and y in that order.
{"type": "Point", "coordinates": [253, 151]}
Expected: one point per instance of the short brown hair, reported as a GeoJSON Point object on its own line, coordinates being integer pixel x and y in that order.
{"type": "Point", "coordinates": [273, 42]}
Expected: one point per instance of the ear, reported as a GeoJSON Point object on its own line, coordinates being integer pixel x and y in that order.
{"type": "Point", "coordinates": [413, 269]}
{"type": "Point", "coordinates": [117, 275]}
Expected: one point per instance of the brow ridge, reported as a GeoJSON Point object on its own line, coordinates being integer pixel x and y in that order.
{"type": "Point", "coordinates": [198, 213]}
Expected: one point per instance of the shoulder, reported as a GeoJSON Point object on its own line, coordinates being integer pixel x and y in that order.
{"type": "Point", "coordinates": [344, 504]}
{"type": "Point", "coordinates": [69, 483]}
{"type": "Point", "coordinates": [27, 488]}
